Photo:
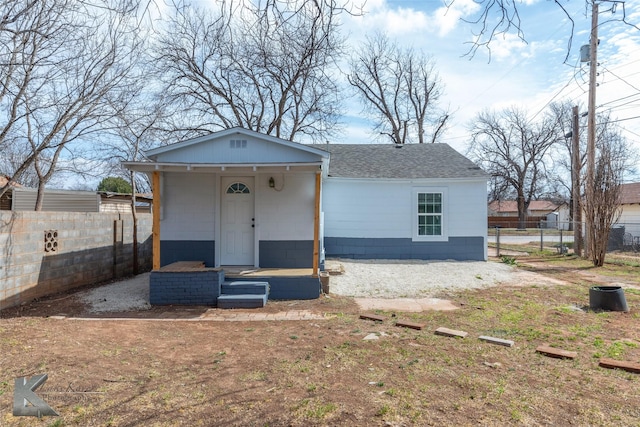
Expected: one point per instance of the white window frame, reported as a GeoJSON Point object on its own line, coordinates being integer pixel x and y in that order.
{"type": "Point", "coordinates": [445, 214]}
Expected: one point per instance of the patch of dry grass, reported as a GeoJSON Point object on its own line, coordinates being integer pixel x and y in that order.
{"type": "Point", "coordinates": [323, 372]}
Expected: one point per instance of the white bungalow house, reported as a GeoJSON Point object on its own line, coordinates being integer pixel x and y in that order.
{"type": "Point", "coordinates": [241, 198]}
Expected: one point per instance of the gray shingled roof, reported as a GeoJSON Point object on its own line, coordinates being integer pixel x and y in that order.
{"type": "Point", "coordinates": [410, 161]}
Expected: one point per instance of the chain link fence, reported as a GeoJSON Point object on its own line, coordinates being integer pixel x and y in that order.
{"type": "Point", "coordinates": [624, 238]}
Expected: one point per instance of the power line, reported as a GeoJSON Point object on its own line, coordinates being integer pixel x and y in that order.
{"type": "Point", "coordinates": [625, 119]}
{"type": "Point", "coordinates": [621, 79]}
{"type": "Point", "coordinates": [619, 99]}
{"type": "Point", "coordinates": [557, 94]}
{"type": "Point", "coordinates": [629, 106]}
{"type": "Point", "coordinates": [631, 132]}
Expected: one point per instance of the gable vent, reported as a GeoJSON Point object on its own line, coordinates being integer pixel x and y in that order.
{"type": "Point", "coordinates": [238, 143]}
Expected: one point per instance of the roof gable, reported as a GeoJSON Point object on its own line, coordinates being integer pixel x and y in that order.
{"type": "Point", "coordinates": [236, 146]}
{"type": "Point", "coordinates": [409, 161]}
{"type": "Point", "coordinates": [630, 193]}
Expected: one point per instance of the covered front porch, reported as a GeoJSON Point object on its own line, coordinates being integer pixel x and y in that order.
{"type": "Point", "coordinates": [232, 199]}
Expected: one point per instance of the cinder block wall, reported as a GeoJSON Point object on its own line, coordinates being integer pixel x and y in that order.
{"type": "Point", "coordinates": [43, 253]}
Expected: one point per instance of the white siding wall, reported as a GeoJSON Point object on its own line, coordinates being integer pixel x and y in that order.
{"type": "Point", "coordinates": [467, 209]}
{"type": "Point", "coordinates": [630, 218]}
{"type": "Point", "coordinates": [354, 208]}
{"type": "Point", "coordinates": [383, 209]}
{"type": "Point", "coordinates": [189, 203]}
{"type": "Point", "coordinates": [287, 214]}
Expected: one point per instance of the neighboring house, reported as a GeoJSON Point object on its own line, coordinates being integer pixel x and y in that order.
{"type": "Point", "coordinates": [510, 208]}
{"type": "Point", "coordinates": [120, 202]}
{"type": "Point", "coordinates": [238, 197]}
{"type": "Point", "coordinates": [19, 198]}
{"type": "Point", "coordinates": [630, 208]}
{"type": "Point", "coordinates": [541, 213]}
{"type": "Point", "coordinates": [560, 219]}
{"type": "Point", "coordinates": [24, 199]}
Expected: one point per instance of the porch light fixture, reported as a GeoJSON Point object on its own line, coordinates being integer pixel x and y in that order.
{"type": "Point", "coordinates": [272, 183]}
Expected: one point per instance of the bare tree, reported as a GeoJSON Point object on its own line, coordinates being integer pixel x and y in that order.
{"type": "Point", "coordinates": [500, 17]}
{"type": "Point", "coordinates": [12, 156]}
{"type": "Point", "coordinates": [66, 59]}
{"type": "Point", "coordinates": [512, 149]}
{"type": "Point", "coordinates": [614, 158]}
{"type": "Point", "coordinates": [265, 67]}
{"type": "Point", "coordinates": [135, 129]}
{"type": "Point", "coordinates": [399, 89]}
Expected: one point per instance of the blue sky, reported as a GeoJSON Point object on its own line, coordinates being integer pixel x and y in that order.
{"type": "Point", "coordinates": [527, 75]}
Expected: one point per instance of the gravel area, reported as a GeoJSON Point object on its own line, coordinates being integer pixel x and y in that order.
{"type": "Point", "coordinates": [361, 279]}
{"type": "Point", "coordinates": [125, 295]}
{"type": "Point", "coordinates": [414, 278]}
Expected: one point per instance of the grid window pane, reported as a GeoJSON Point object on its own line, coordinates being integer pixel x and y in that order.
{"type": "Point", "coordinates": [429, 214]}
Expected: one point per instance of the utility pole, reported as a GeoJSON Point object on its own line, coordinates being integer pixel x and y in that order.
{"type": "Point", "coordinates": [591, 133]}
{"type": "Point", "coordinates": [576, 206]}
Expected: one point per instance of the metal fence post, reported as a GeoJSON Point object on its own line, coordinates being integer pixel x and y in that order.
{"type": "Point", "coordinates": [561, 245]}
{"type": "Point", "coordinates": [541, 238]}
{"type": "Point", "coordinates": [498, 241]}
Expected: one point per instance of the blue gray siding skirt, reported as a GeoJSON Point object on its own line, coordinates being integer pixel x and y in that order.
{"type": "Point", "coordinates": [456, 248]}
{"type": "Point", "coordinates": [287, 288]}
{"type": "Point", "coordinates": [286, 253]}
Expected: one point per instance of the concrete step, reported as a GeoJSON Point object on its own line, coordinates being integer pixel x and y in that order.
{"type": "Point", "coordinates": [245, 288]}
{"type": "Point", "coordinates": [242, 301]}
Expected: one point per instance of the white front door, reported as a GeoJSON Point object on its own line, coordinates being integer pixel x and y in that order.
{"type": "Point", "coordinates": [237, 221]}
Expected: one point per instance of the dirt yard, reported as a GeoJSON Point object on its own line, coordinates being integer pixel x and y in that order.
{"type": "Point", "coordinates": [159, 368]}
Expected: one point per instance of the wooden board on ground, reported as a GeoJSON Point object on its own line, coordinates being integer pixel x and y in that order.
{"type": "Point", "coordinates": [371, 316]}
{"type": "Point", "coordinates": [412, 325]}
{"type": "Point", "coordinates": [450, 332]}
{"type": "Point", "coordinates": [498, 341]}
{"type": "Point", "coordinates": [556, 352]}
{"type": "Point", "coordinates": [619, 364]}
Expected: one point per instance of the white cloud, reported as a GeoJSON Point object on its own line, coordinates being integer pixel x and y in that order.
{"type": "Point", "coordinates": [403, 21]}
{"type": "Point", "coordinates": [446, 19]}
{"type": "Point", "coordinates": [506, 46]}
{"type": "Point", "coordinates": [397, 22]}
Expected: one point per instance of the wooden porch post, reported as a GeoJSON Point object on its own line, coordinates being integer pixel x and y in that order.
{"type": "Point", "coordinates": [316, 227]}
{"type": "Point", "coordinates": [156, 219]}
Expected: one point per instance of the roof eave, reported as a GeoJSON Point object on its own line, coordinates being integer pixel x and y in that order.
{"type": "Point", "coordinates": [217, 167]}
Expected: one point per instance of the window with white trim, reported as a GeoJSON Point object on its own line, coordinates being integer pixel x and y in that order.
{"type": "Point", "coordinates": [429, 214]}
